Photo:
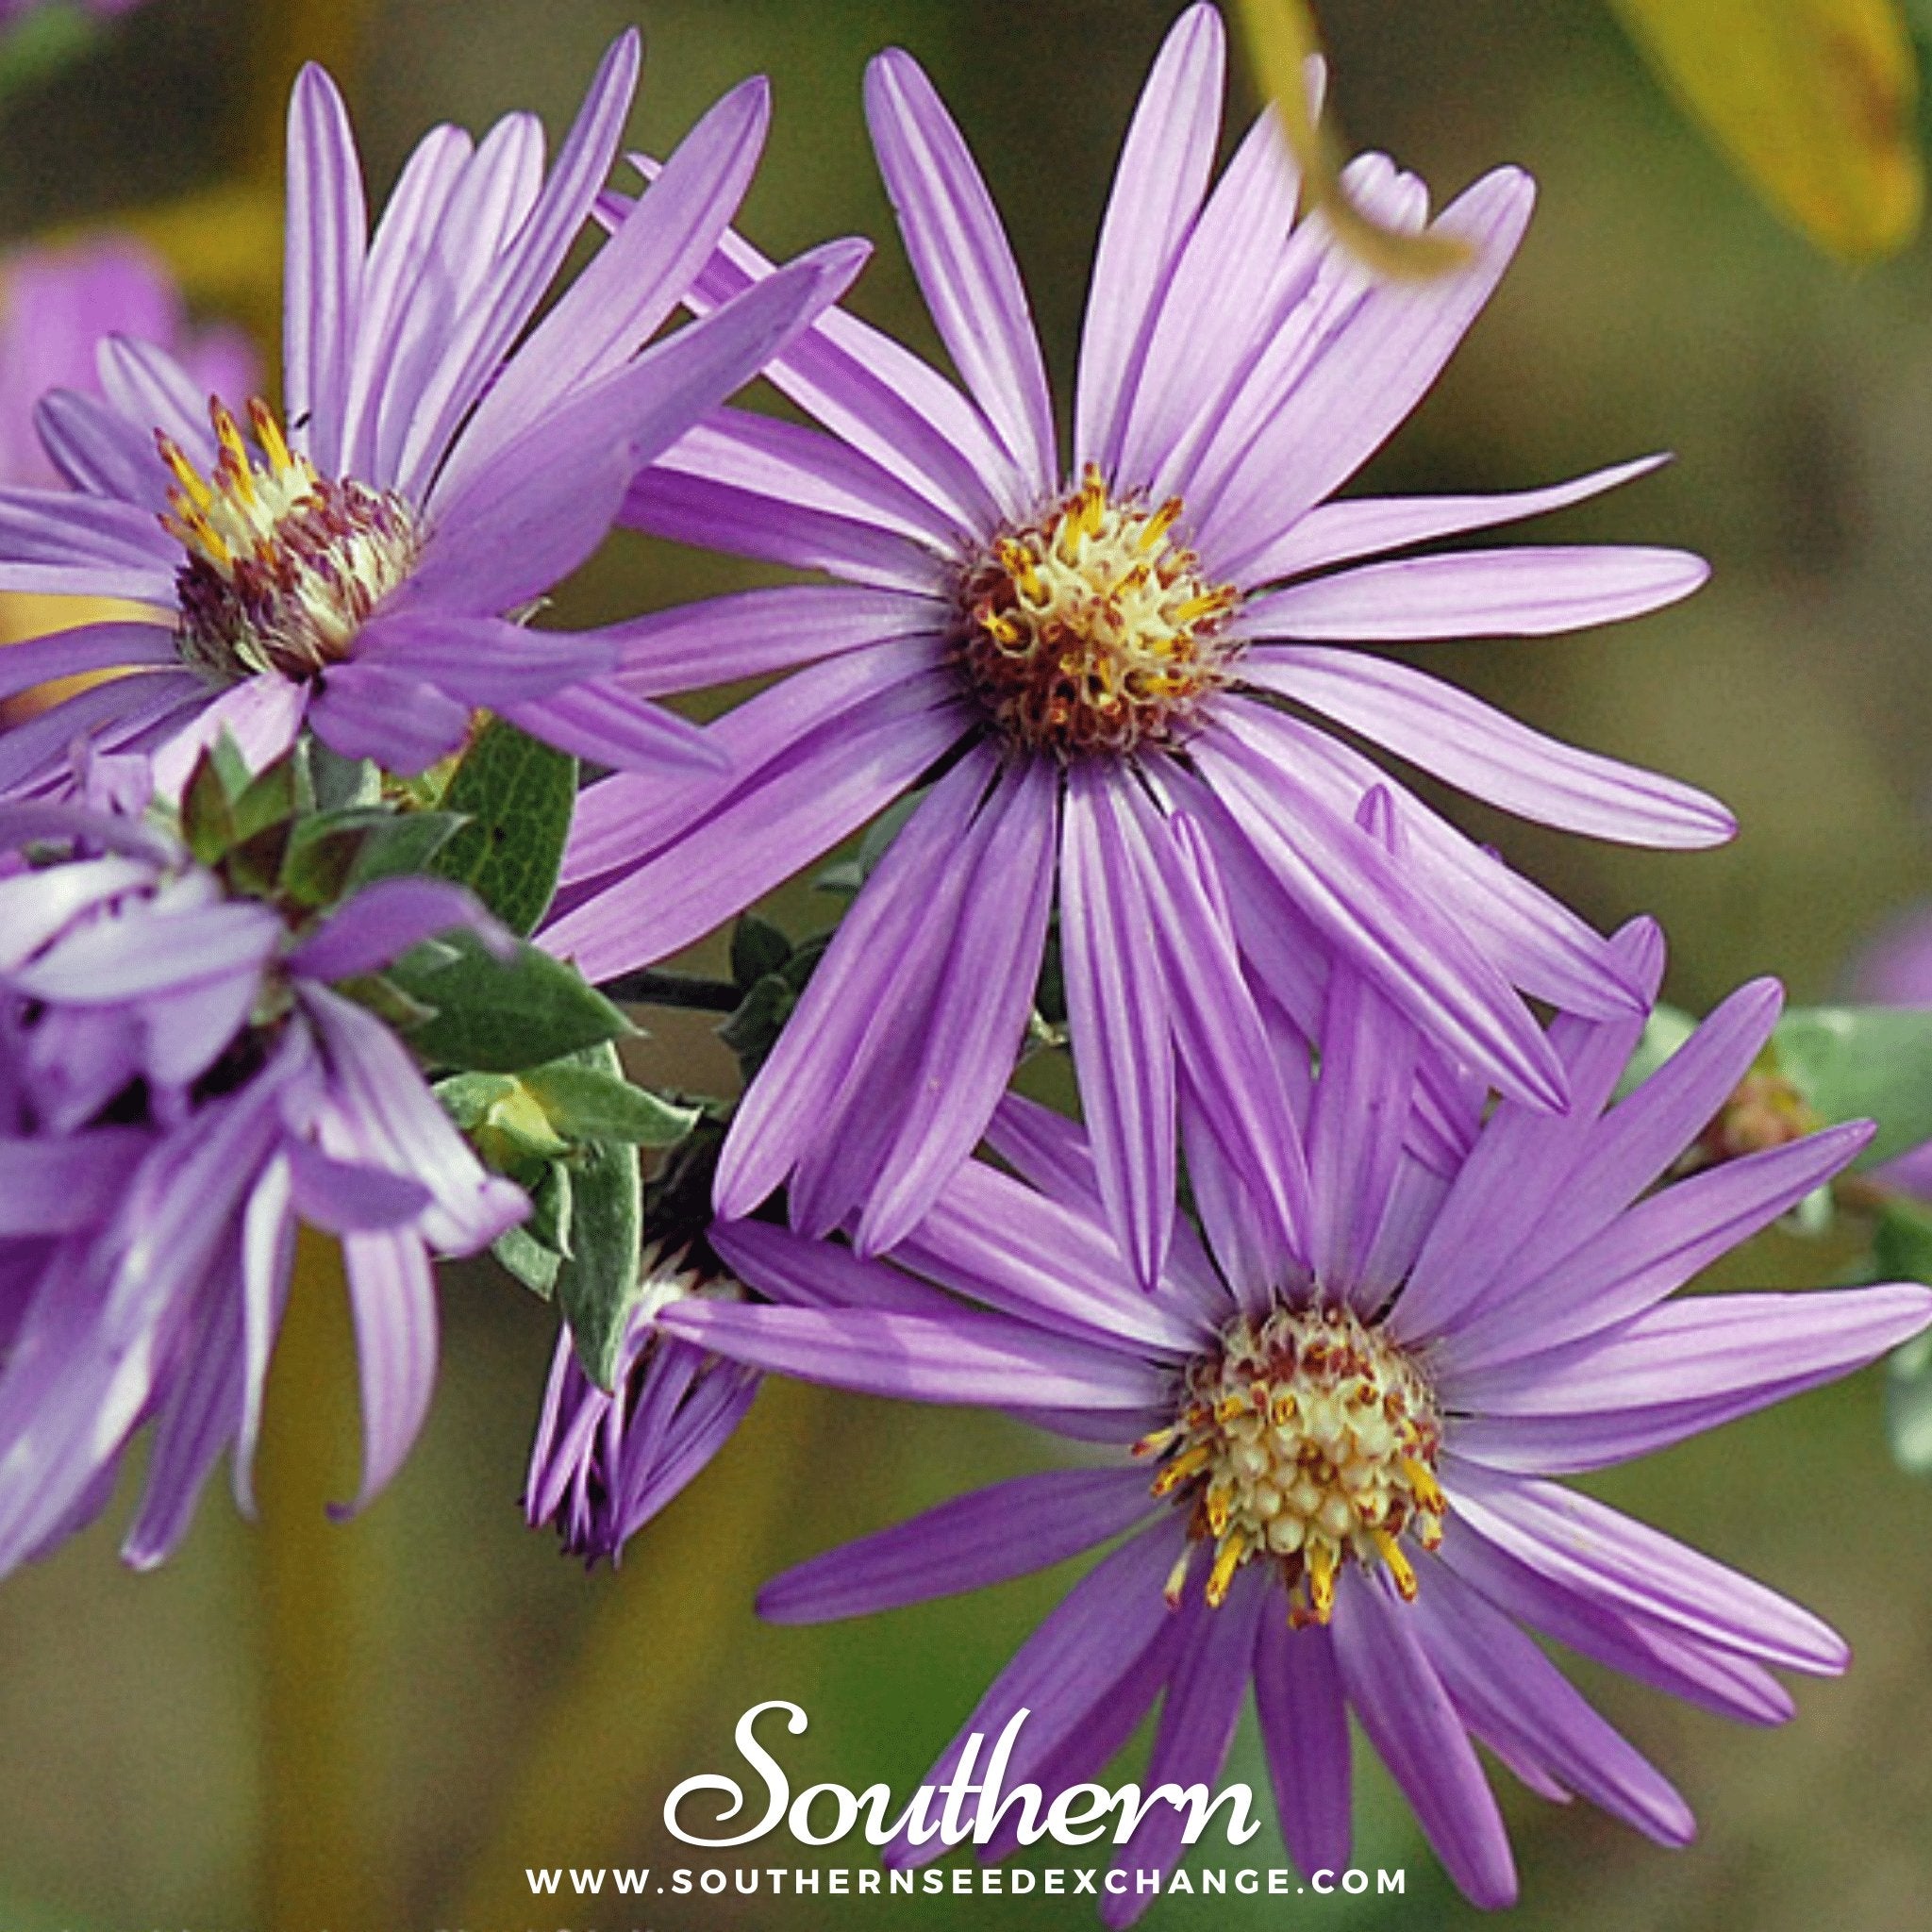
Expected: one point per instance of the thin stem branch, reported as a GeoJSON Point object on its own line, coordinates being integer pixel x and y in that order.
{"type": "Point", "coordinates": [653, 987]}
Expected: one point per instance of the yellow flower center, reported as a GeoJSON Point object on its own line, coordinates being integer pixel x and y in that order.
{"type": "Point", "coordinates": [1092, 630]}
{"type": "Point", "coordinates": [1306, 1441]}
{"type": "Point", "coordinates": [284, 566]}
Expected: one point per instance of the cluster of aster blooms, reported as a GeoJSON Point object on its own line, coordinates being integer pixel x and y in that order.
{"type": "Point", "coordinates": [1370, 1227]}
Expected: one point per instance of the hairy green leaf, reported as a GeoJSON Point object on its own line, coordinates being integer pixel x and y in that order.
{"type": "Point", "coordinates": [518, 797]}
{"type": "Point", "coordinates": [501, 1016]}
{"type": "Point", "coordinates": [590, 1104]}
{"type": "Point", "coordinates": [533, 1264]}
{"type": "Point", "coordinates": [598, 1286]}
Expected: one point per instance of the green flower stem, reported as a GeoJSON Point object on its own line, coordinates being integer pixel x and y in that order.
{"type": "Point", "coordinates": [662, 1652]}
{"type": "Point", "coordinates": [652, 987]}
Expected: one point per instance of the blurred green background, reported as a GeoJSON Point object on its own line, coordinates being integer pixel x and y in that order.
{"type": "Point", "coordinates": [372, 1728]}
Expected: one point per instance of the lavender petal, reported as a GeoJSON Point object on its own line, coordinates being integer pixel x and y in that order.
{"type": "Point", "coordinates": [1157, 187]}
{"type": "Point", "coordinates": [970, 1543]}
{"type": "Point", "coordinates": [960, 253]}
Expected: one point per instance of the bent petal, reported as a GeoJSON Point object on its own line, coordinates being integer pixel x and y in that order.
{"type": "Point", "coordinates": [364, 709]}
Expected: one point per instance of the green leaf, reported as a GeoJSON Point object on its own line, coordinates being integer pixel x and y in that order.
{"type": "Point", "coordinates": [590, 1104]}
{"type": "Point", "coordinates": [597, 1288]}
{"type": "Point", "coordinates": [1908, 1406]}
{"type": "Point", "coordinates": [518, 795]}
{"type": "Point", "coordinates": [1902, 1243]}
{"type": "Point", "coordinates": [753, 1030]}
{"type": "Point", "coordinates": [386, 1001]}
{"type": "Point", "coordinates": [553, 1211]}
{"type": "Point", "coordinates": [501, 1016]}
{"type": "Point", "coordinates": [467, 1098]}
{"type": "Point", "coordinates": [804, 961]}
{"type": "Point", "coordinates": [342, 783]}
{"type": "Point", "coordinates": [757, 947]}
{"type": "Point", "coordinates": [1854, 1063]}
{"type": "Point", "coordinates": [339, 850]}
{"type": "Point", "coordinates": [402, 842]}
{"type": "Point", "coordinates": [207, 814]}
{"type": "Point", "coordinates": [533, 1264]}
{"type": "Point", "coordinates": [271, 799]}
{"type": "Point", "coordinates": [1666, 1030]}
{"type": "Point", "coordinates": [254, 864]}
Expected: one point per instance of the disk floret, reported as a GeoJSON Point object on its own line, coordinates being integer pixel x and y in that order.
{"type": "Point", "coordinates": [1306, 1440]}
{"type": "Point", "coordinates": [284, 566]}
{"type": "Point", "coordinates": [1092, 630]}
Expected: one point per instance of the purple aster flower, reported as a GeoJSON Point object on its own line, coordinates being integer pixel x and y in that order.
{"type": "Point", "coordinates": [605, 1462]}
{"type": "Point", "coordinates": [179, 1085]}
{"type": "Point", "coordinates": [58, 305]}
{"type": "Point", "coordinates": [1077, 647]}
{"type": "Point", "coordinates": [446, 460]}
{"type": "Point", "coordinates": [1332, 1464]}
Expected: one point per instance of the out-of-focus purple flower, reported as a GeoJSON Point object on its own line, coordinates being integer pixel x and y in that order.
{"type": "Point", "coordinates": [58, 305]}
{"type": "Point", "coordinates": [1086, 645]}
{"type": "Point", "coordinates": [445, 461]}
{"type": "Point", "coordinates": [605, 1463]}
{"type": "Point", "coordinates": [1332, 1462]}
{"type": "Point", "coordinates": [179, 1085]}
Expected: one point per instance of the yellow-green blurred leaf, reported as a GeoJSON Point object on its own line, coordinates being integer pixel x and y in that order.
{"type": "Point", "coordinates": [1812, 99]}
{"type": "Point", "coordinates": [1281, 40]}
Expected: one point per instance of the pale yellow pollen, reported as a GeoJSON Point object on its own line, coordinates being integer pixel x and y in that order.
{"type": "Point", "coordinates": [284, 565]}
{"type": "Point", "coordinates": [1090, 629]}
{"type": "Point", "coordinates": [1306, 1440]}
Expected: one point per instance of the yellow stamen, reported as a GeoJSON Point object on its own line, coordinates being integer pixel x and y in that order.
{"type": "Point", "coordinates": [1211, 604]}
{"type": "Point", "coordinates": [1320, 1583]}
{"type": "Point", "coordinates": [1422, 1479]}
{"type": "Point", "coordinates": [1398, 1564]}
{"type": "Point", "coordinates": [185, 474]}
{"type": "Point", "coordinates": [1161, 522]}
{"type": "Point", "coordinates": [268, 434]}
{"type": "Point", "coordinates": [1227, 1559]}
{"type": "Point", "coordinates": [1190, 1462]}
{"type": "Point", "coordinates": [1220, 1505]}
